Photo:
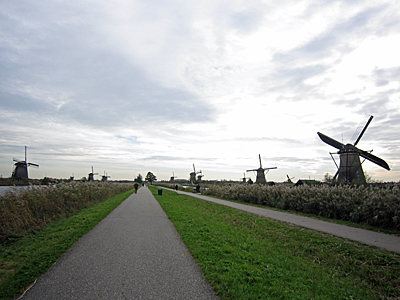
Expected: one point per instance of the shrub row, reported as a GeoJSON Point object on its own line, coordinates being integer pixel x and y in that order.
{"type": "Point", "coordinates": [29, 209]}
{"type": "Point", "coordinates": [378, 207]}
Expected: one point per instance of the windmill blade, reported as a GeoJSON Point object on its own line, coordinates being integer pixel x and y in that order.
{"type": "Point", "coordinates": [362, 132]}
{"type": "Point", "coordinates": [194, 169]}
{"type": "Point", "coordinates": [17, 160]}
{"type": "Point", "coordinates": [251, 170]}
{"type": "Point", "coordinates": [337, 172]}
{"type": "Point", "coordinates": [259, 156]}
{"type": "Point", "coordinates": [376, 160]}
{"type": "Point", "coordinates": [330, 141]}
{"type": "Point", "coordinates": [34, 165]}
{"type": "Point", "coordinates": [270, 168]}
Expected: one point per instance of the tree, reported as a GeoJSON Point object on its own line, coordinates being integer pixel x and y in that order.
{"type": "Point", "coordinates": [150, 177]}
{"type": "Point", "coordinates": [139, 178]}
{"type": "Point", "coordinates": [328, 178]}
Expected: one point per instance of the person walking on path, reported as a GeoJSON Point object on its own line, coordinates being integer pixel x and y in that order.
{"type": "Point", "coordinates": [134, 253]}
{"type": "Point", "coordinates": [136, 186]}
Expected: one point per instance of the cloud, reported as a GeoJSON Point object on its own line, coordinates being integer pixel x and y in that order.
{"type": "Point", "coordinates": [338, 38]}
{"type": "Point", "coordinates": [129, 85]}
{"type": "Point", "coordinates": [383, 76]}
{"type": "Point", "coordinates": [63, 74]}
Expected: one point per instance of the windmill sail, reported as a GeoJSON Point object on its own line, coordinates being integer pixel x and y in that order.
{"type": "Point", "coordinates": [350, 168]}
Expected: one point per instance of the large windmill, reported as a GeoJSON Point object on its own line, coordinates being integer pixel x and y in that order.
{"type": "Point", "coordinates": [172, 177]}
{"type": "Point", "coordinates": [91, 175]}
{"type": "Point", "coordinates": [193, 175]}
{"type": "Point", "coordinates": [21, 168]}
{"type": "Point", "coordinates": [261, 172]}
{"type": "Point", "coordinates": [350, 169]}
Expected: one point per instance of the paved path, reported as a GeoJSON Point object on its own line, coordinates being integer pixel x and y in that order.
{"type": "Point", "coordinates": [386, 241]}
{"type": "Point", "coordinates": [134, 253]}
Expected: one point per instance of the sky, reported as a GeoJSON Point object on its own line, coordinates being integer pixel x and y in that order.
{"type": "Point", "coordinates": [135, 86]}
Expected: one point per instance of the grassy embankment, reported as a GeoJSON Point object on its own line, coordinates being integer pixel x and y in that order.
{"type": "Point", "coordinates": [245, 256]}
{"type": "Point", "coordinates": [25, 258]}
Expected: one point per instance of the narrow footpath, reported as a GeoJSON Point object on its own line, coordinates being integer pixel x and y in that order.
{"type": "Point", "coordinates": [134, 253]}
{"type": "Point", "coordinates": [372, 238]}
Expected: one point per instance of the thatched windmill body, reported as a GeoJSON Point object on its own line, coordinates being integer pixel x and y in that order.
{"type": "Point", "coordinates": [261, 172]}
{"type": "Point", "coordinates": [21, 167]}
{"type": "Point", "coordinates": [350, 168]}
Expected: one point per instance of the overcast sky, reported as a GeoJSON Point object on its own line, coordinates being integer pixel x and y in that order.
{"type": "Point", "coordinates": [132, 86]}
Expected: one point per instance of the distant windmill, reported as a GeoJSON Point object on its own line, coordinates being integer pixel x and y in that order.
{"type": "Point", "coordinates": [244, 178]}
{"type": "Point", "coordinates": [350, 168]}
{"type": "Point", "coordinates": [172, 177]}
{"type": "Point", "coordinates": [199, 177]}
{"type": "Point", "coordinates": [289, 179]}
{"type": "Point", "coordinates": [261, 172]}
{"type": "Point", "coordinates": [193, 175]}
{"type": "Point", "coordinates": [91, 175]}
{"type": "Point", "coordinates": [103, 177]}
{"type": "Point", "coordinates": [21, 168]}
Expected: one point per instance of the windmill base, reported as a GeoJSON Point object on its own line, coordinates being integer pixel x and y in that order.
{"type": "Point", "coordinates": [261, 177]}
{"type": "Point", "coordinates": [20, 172]}
{"type": "Point", "coordinates": [350, 169]}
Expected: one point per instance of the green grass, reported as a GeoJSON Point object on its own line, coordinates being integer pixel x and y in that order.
{"type": "Point", "coordinates": [24, 259]}
{"type": "Point", "coordinates": [395, 232]}
{"type": "Point", "coordinates": [245, 256]}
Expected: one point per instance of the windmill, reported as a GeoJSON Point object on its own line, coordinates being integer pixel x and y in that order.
{"type": "Point", "coordinates": [172, 177]}
{"type": "Point", "coordinates": [103, 177]}
{"type": "Point", "coordinates": [350, 168]}
{"type": "Point", "coordinates": [244, 178]}
{"type": "Point", "coordinates": [199, 177]}
{"type": "Point", "coordinates": [193, 175]}
{"type": "Point", "coordinates": [289, 179]}
{"type": "Point", "coordinates": [91, 175]}
{"type": "Point", "coordinates": [21, 168]}
{"type": "Point", "coordinates": [261, 172]}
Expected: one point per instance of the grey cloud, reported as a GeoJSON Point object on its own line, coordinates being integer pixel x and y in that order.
{"type": "Point", "coordinates": [246, 21]}
{"type": "Point", "coordinates": [336, 39]}
{"type": "Point", "coordinates": [383, 77]}
{"type": "Point", "coordinates": [64, 71]}
{"type": "Point", "coordinates": [293, 78]}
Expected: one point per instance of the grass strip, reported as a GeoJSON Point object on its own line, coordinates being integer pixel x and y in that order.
{"type": "Point", "coordinates": [245, 256]}
{"type": "Point", "coordinates": [395, 232]}
{"type": "Point", "coordinates": [25, 259]}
